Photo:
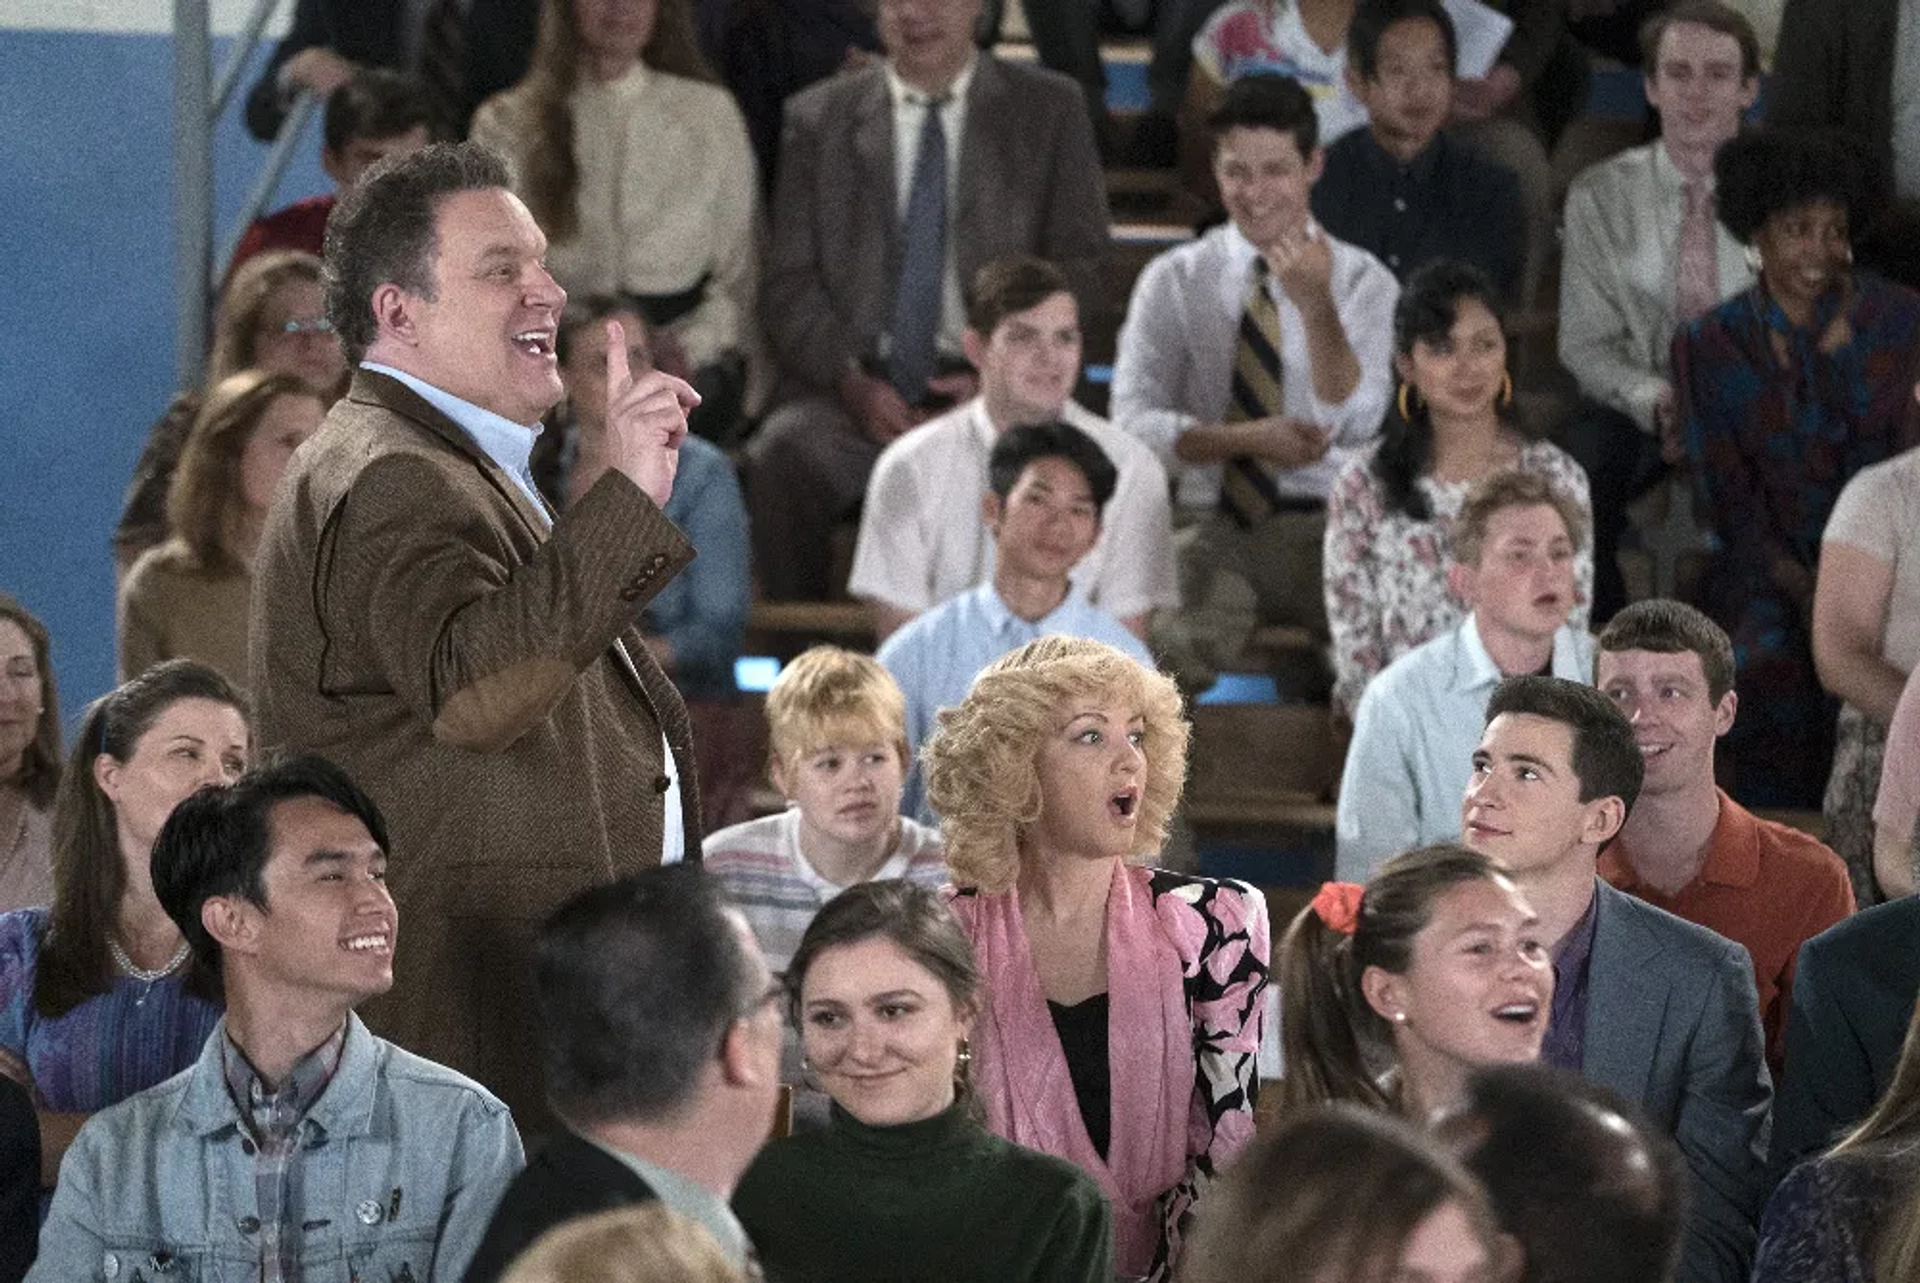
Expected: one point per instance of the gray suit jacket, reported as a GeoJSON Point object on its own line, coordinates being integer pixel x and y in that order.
{"type": "Point", "coordinates": [1673, 1024]}
{"type": "Point", "coordinates": [1029, 183]}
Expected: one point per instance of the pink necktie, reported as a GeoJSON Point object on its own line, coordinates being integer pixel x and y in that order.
{"type": "Point", "coordinates": [1697, 282]}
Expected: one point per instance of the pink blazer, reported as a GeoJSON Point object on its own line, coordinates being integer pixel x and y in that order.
{"type": "Point", "coordinates": [1186, 966]}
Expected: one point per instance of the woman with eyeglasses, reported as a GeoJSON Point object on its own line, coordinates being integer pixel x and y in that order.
{"type": "Point", "coordinates": [271, 316]}
{"type": "Point", "coordinates": [187, 598]}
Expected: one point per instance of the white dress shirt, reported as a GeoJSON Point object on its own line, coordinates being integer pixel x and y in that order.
{"type": "Point", "coordinates": [909, 118]}
{"type": "Point", "coordinates": [923, 538]}
{"type": "Point", "coordinates": [1620, 260]}
{"type": "Point", "coordinates": [1175, 366]}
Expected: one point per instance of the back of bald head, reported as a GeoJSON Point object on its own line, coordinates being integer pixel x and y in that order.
{"type": "Point", "coordinates": [1592, 1191]}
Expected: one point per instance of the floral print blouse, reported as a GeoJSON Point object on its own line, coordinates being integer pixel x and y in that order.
{"type": "Point", "coordinates": [1386, 573]}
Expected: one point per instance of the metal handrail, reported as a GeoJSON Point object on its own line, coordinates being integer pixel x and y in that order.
{"type": "Point", "coordinates": [197, 108]}
{"type": "Point", "coordinates": [269, 180]}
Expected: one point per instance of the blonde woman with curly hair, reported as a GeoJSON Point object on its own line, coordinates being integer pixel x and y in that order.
{"type": "Point", "coordinates": [646, 1243]}
{"type": "Point", "coordinates": [1123, 1014]}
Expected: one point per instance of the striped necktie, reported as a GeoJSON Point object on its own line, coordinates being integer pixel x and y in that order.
{"type": "Point", "coordinates": [1247, 492]}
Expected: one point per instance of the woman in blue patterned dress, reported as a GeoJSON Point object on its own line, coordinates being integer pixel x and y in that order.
{"type": "Point", "coordinates": [1782, 393]}
{"type": "Point", "coordinates": [98, 998]}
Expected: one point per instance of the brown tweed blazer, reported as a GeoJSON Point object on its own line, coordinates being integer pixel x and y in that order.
{"type": "Point", "coordinates": [413, 619]}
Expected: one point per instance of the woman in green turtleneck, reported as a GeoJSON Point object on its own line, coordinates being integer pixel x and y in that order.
{"type": "Point", "coordinates": [905, 1184]}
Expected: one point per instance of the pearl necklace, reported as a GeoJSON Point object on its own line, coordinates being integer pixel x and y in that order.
{"type": "Point", "coordinates": [121, 960]}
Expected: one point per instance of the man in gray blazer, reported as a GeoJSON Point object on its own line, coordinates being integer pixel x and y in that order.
{"type": "Point", "coordinates": [896, 183]}
{"type": "Point", "coordinates": [1661, 1011]}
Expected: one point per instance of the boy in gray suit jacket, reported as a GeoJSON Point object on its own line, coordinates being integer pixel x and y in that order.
{"type": "Point", "coordinates": [1661, 1011]}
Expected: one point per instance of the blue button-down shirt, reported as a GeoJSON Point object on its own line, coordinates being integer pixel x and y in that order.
{"type": "Point", "coordinates": [936, 657]}
{"type": "Point", "coordinates": [1413, 740]}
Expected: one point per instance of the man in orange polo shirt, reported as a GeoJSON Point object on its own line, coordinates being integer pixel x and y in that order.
{"type": "Point", "coordinates": [1687, 847]}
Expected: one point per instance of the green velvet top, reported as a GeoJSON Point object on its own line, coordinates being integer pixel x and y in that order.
{"type": "Point", "coordinates": [939, 1200]}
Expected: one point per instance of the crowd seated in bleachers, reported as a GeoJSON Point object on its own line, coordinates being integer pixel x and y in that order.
{"type": "Point", "coordinates": [519, 654]}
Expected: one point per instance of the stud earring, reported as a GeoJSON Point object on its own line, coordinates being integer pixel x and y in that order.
{"type": "Point", "coordinates": [1399, 1017]}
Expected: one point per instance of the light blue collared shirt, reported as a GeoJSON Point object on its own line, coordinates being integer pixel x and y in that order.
{"type": "Point", "coordinates": [1413, 741]}
{"type": "Point", "coordinates": [510, 445]}
{"type": "Point", "coordinates": [936, 657]}
{"type": "Point", "coordinates": [507, 443]}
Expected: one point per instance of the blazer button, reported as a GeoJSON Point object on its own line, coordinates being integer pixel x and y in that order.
{"type": "Point", "coordinates": [248, 1224]}
{"type": "Point", "coordinates": [246, 1147]}
{"type": "Point", "coordinates": [662, 783]}
{"type": "Point", "coordinates": [631, 592]}
{"type": "Point", "coordinates": [659, 560]}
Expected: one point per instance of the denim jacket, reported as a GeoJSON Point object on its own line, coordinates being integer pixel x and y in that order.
{"type": "Point", "coordinates": [405, 1162]}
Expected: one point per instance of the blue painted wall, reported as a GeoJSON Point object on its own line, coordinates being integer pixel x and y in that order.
{"type": "Point", "coordinates": [86, 305]}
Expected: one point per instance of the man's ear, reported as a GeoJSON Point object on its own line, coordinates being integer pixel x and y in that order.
{"type": "Point", "coordinates": [741, 1065]}
{"type": "Point", "coordinates": [393, 311]}
{"type": "Point", "coordinates": [233, 923]}
{"type": "Point", "coordinates": [778, 774]}
{"type": "Point", "coordinates": [1603, 820]}
{"type": "Point", "coordinates": [990, 512]}
{"type": "Point", "coordinates": [1460, 581]}
{"type": "Point", "coordinates": [1725, 712]}
{"type": "Point", "coordinates": [973, 345]}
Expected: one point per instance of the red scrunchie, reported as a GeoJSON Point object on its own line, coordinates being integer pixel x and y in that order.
{"type": "Point", "coordinates": [1338, 904]}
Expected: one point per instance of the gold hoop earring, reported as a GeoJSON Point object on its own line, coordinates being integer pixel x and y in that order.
{"type": "Point", "coordinates": [1506, 390]}
{"type": "Point", "coordinates": [1406, 414]}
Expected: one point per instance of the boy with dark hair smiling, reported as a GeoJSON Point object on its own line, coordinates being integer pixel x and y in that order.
{"type": "Point", "coordinates": [1661, 1011]}
{"type": "Point", "coordinates": [340, 1153]}
{"type": "Point", "coordinates": [1047, 487]}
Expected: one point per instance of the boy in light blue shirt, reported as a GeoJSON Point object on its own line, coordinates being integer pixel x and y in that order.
{"type": "Point", "coordinates": [1047, 486]}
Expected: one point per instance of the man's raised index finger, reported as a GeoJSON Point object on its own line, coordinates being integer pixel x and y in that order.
{"type": "Point", "coordinates": [618, 375]}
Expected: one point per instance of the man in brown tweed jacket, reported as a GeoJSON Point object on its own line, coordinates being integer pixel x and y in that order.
{"type": "Point", "coordinates": [421, 619]}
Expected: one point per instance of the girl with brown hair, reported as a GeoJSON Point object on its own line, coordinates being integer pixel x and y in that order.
{"type": "Point", "coordinates": [637, 167]}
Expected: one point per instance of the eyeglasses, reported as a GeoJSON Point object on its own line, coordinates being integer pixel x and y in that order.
{"type": "Point", "coordinates": [301, 325]}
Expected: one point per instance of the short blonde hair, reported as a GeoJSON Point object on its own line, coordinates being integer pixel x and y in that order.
{"type": "Point", "coordinates": [644, 1243]}
{"type": "Point", "coordinates": [831, 695]}
{"type": "Point", "coordinates": [1504, 490]}
{"type": "Point", "coordinates": [981, 763]}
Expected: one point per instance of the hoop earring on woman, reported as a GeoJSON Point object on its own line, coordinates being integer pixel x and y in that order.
{"type": "Point", "coordinates": [962, 1065]}
{"type": "Point", "coordinates": [1506, 391]}
{"type": "Point", "coordinates": [1406, 414]}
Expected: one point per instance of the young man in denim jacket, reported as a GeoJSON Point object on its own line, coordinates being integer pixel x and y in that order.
{"type": "Point", "coordinates": [300, 1145]}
